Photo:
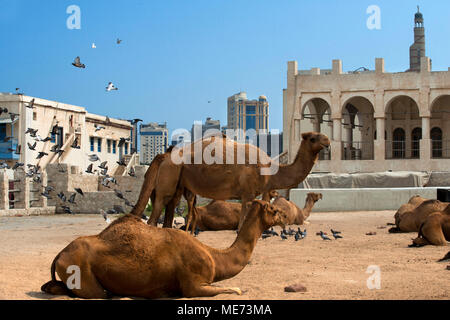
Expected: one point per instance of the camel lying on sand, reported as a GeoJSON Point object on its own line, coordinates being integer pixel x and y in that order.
{"type": "Point", "coordinates": [217, 215]}
{"type": "Point", "coordinates": [130, 258]}
{"type": "Point", "coordinates": [411, 215]}
{"type": "Point", "coordinates": [294, 214]}
{"type": "Point", "coordinates": [435, 230]}
{"type": "Point", "coordinates": [230, 180]}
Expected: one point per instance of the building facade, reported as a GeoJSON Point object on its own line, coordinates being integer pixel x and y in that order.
{"type": "Point", "coordinates": [247, 114]}
{"type": "Point", "coordinates": [199, 129]}
{"type": "Point", "coordinates": [153, 141]}
{"type": "Point", "coordinates": [377, 121]}
{"type": "Point", "coordinates": [71, 122]}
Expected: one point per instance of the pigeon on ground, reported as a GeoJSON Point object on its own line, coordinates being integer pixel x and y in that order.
{"type": "Point", "coordinates": [67, 210]}
{"type": "Point", "coordinates": [323, 236]}
{"type": "Point", "coordinates": [283, 236]}
{"type": "Point", "coordinates": [197, 231]}
{"type": "Point", "coordinates": [297, 236]}
{"type": "Point", "coordinates": [336, 234]}
{"type": "Point", "coordinates": [111, 87]}
{"type": "Point", "coordinates": [266, 235]}
{"type": "Point", "coordinates": [77, 63]}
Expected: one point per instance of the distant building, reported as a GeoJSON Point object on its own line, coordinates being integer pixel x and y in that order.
{"type": "Point", "coordinates": [210, 125]}
{"type": "Point", "coordinates": [70, 123]}
{"type": "Point", "coordinates": [271, 143]}
{"type": "Point", "coordinates": [247, 114]}
{"type": "Point", "coordinates": [154, 141]}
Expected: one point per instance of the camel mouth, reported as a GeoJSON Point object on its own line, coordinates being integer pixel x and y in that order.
{"type": "Point", "coordinates": [325, 146]}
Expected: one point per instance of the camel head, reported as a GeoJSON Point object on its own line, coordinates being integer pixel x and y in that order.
{"type": "Point", "coordinates": [314, 196]}
{"type": "Point", "coordinates": [270, 215]}
{"type": "Point", "coordinates": [273, 195]}
{"type": "Point", "coordinates": [315, 141]}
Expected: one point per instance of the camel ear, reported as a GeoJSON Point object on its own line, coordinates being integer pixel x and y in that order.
{"type": "Point", "coordinates": [306, 135]}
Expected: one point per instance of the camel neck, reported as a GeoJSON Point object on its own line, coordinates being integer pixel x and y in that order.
{"type": "Point", "coordinates": [229, 262]}
{"type": "Point", "coordinates": [308, 207]}
{"type": "Point", "coordinates": [289, 176]}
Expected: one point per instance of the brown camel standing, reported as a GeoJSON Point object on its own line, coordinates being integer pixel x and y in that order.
{"type": "Point", "coordinates": [435, 230]}
{"type": "Point", "coordinates": [241, 179]}
{"type": "Point", "coordinates": [411, 220]}
{"type": "Point", "coordinates": [294, 214]}
{"type": "Point", "coordinates": [130, 258]}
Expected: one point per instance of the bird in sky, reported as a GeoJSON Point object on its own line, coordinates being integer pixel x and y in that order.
{"type": "Point", "coordinates": [41, 154]}
{"type": "Point", "coordinates": [79, 191]}
{"type": "Point", "coordinates": [94, 46]}
{"type": "Point", "coordinates": [118, 41]}
{"type": "Point", "coordinates": [77, 63]}
{"type": "Point", "coordinates": [111, 87]}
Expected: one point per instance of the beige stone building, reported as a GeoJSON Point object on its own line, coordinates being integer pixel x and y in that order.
{"type": "Point", "coordinates": [73, 122]}
{"type": "Point", "coordinates": [377, 120]}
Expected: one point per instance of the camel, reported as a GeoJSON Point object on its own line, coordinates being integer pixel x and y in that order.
{"type": "Point", "coordinates": [295, 215]}
{"type": "Point", "coordinates": [130, 258]}
{"type": "Point", "coordinates": [236, 180]}
{"type": "Point", "coordinates": [409, 219]}
{"type": "Point", "coordinates": [217, 215]}
{"type": "Point", "coordinates": [435, 230]}
{"type": "Point", "coordinates": [413, 203]}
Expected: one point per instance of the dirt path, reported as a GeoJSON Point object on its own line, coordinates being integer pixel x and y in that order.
{"type": "Point", "coordinates": [329, 269]}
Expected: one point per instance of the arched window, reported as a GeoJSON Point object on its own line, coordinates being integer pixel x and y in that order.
{"type": "Point", "coordinates": [436, 142]}
{"type": "Point", "coordinates": [398, 144]}
{"type": "Point", "coordinates": [416, 135]}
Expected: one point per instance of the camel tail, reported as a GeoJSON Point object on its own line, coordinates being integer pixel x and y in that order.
{"type": "Point", "coordinates": [54, 286]}
{"type": "Point", "coordinates": [421, 235]}
{"type": "Point", "coordinates": [148, 186]}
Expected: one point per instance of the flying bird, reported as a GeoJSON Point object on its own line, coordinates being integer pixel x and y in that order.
{"type": "Point", "coordinates": [122, 141]}
{"type": "Point", "coordinates": [103, 165]}
{"type": "Point", "coordinates": [62, 196]}
{"type": "Point", "coordinates": [75, 144]}
{"type": "Point", "coordinates": [118, 41]}
{"type": "Point", "coordinates": [132, 173]}
{"type": "Point", "coordinates": [31, 104]}
{"type": "Point", "coordinates": [17, 165]}
{"type": "Point", "coordinates": [79, 191]}
{"type": "Point", "coordinates": [121, 162]}
{"type": "Point", "coordinates": [72, 198]}
{"type": "Point", "coordinates": [111, 87]}
{"type": "Point", "coordinates": [67, 210]}
{"type": "Point", "coordinates": [98, 128]}
{"type": "Point", "coordinates": [119, 194]}
{"type": "Point", "coordinates": [89, 168]}
{"type": "Point", "coordinates": [13, 115]}
{"type": "Point", "coordinates": [77, 63]}
{"type": "Point", "coordinates": [41, 154]}
{"type": "Point", "coordinates": [94, 46]}
{"type": "Point", "coordinates": [93, 158]}
{"type": "Point", "coordinates": [105, 216]}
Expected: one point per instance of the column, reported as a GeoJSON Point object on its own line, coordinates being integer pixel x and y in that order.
{"type": "Point", "coordinates": [425, 143]}
{"type": "Point", "coordinates": [336, 144]}
{"type": "Point", "coordinates": [4, 190]}
{"type": "Point", "coordinates": [380, 143]}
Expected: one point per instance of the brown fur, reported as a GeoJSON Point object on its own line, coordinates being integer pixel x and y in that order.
{"type": "Point", "coordinates": [410, 216]}
{"type": "Point", "coordinates": [217, 215]}
{"type": "Point", "coordinates": [435, 230]}
{"type": "Point", "coordinates": [130, 258]}
{"type": "Point", "coordinates": [294, 214]}
{"type": "Point", "coordinates": [229, 181]}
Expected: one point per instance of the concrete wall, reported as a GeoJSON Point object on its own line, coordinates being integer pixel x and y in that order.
{"type": "Point", "coordinates": [370, 199]}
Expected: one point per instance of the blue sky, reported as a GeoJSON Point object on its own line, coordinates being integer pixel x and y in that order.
{"type": "Point", "coordinates": [178, 55]}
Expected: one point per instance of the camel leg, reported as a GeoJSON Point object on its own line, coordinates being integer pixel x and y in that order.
{"type": "Point", "coordinates": [156, 212]}
{"type": "Point", "coordinates": [90, 288]}
{"type": "Point", "coordinates": [144, 195]}
{"type": "Point", "coordinates": [170, 209]}
{"type": "Point", "coordinates": [190, 199]}
{"type": "Point", "coordinates": [207, 291]}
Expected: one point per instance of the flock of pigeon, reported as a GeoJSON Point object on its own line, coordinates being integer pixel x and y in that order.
{"type": "Point", "coordinates": [299, 234]}
{"type": "Point", "coordinates": [77, 63]}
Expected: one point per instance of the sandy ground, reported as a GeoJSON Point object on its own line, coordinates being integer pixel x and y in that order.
{"type": "Point", "coordinates": [329, 269]}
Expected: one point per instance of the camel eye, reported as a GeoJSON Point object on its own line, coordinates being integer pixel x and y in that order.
{"type": "Point", "coordinates": [313, 140]}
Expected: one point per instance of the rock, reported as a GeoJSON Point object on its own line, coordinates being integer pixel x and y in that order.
{"type": "Point", "coordinates": [371, 233]}
{"type": "Point", "coordinates": [298, 287]}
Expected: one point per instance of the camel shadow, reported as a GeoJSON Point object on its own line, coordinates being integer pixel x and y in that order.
{"type": "Point", "coordinates": [40, 295]}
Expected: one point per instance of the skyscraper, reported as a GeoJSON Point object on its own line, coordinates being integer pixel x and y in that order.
{"type": "Point", "coordinates": [247, 114]}
{"type": "Point", "coordinates": [154, 141]}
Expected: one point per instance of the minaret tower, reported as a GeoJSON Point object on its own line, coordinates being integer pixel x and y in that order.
{"type": "Point", "coordinates": [417, 49]}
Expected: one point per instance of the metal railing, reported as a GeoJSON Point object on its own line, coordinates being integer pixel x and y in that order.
{"type": "Point", "coordinates": [357, 150]}
{"type": "Point", "coordinates": [396, 149]}
{"type": "Point", "coordinates": [440, 149]}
